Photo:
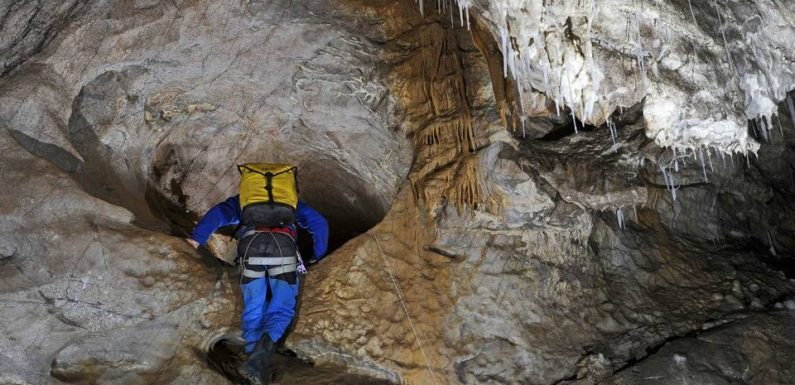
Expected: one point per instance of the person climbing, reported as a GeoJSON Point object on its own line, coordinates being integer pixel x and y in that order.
{"type": "Point", "coordinates": [266, 211]}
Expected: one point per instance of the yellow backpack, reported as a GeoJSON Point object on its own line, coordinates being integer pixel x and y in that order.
{"type": "Point", "coordinates": [268, 194]}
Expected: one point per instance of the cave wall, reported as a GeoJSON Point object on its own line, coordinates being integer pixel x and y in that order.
{"type": "Point", "coordinates": [124, 128]}
{"type": "Point", "coordinates": [501, 257]}
{"type": "Point", "coordinates": [534, 278]}
{"type": "Point", "coordinates": [702, 68]}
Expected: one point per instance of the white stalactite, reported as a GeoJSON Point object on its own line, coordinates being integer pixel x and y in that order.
{"type": "Point", "coordinates": [556, 48]}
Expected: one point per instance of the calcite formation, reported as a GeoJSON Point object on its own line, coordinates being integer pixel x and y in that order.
{"type": "Point", "coordinates": [702, 68]}
{"type": "Point", "coordinates": [519, 192]}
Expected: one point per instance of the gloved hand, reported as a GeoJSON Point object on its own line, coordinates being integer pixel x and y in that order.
{"type": "Point", "coordinates": [192, 242]}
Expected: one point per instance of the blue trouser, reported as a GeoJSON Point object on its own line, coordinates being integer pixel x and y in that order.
{"type": "Point", "coordinates": [263, 316]}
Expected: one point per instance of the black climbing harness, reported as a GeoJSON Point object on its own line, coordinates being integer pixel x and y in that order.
{"type": "Point", "coordinates": [282, 264]}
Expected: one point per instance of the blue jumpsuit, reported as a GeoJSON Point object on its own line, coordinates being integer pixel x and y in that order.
{"type": "Point", "coordinates": [259, 315]}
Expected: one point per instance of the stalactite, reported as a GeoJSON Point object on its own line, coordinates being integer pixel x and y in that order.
{"type": "Point", "coordinates": [466, 191]}
{"type": "Point", "coordinates": [457, 132]}
{"type": "Point", "coordinates": [444, 135]}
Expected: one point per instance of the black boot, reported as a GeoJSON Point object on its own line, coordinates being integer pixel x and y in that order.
{"type": "Point", "coordinates": [255, 369]}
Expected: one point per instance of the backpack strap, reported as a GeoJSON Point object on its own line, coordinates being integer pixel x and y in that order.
{"type": "Point", "coordinates": [242, 166]}
{"type": "Point", "coordinates": [272, 261]}
{"type": "Point", "coordinates": [269, 178]}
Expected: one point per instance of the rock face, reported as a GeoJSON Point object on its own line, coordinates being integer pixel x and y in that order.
{"type": "Point", "coordinates": [28, 28]}
{"type": "Point", "coordinates": [80, 273]}
{"type": "Point", "coordinates": [478, 239]}
{"type": "Point", "coordinates": [749, 350]}
{"type": "Point", "coordinates": [128, 125]}
{"type": "Point", "coordinates": [120, 356]}
{"type": "Point", "coordinates": [703, 68]}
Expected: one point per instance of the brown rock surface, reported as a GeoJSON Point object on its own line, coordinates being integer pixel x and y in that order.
{"type": "Point", "coordinates": [469, 247]}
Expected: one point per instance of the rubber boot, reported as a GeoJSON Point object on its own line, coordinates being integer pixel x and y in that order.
{"type": "Point", "coordinates": [255, 369]}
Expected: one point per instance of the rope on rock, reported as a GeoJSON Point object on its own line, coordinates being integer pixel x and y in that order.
{"type": "Point", "coordinates": [405, 309]}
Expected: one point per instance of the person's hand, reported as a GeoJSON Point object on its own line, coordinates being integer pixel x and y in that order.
{"type": "Point", "coordinates": [192, 242]}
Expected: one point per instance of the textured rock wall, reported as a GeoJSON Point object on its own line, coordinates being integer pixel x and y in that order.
{"type": "Point", "coordinates": [541, 284]}
{"type": "Point", "coordinates": [702, 68]}
{"type": "Point", "coordinates": [513, 251]}
{"type": "Point", "coordinates": [744, 351]}
{"type": "Point", "coordinates": [125, 127]}
{"type": "Point", "coordinates": [28, 28]}
{"type": "Point", "coordinates": [80, 281]}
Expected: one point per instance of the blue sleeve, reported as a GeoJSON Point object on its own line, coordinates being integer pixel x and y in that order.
{"type": "Point", "coordinates": [223, 214]}
{"type": "Point", "coordinates": [313, 222]}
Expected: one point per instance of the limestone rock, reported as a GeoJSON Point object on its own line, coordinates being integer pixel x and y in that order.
{"type": "Point", "coordinates": [120, 356]}
{"type": "Point", "coordinates": [704, 68]}
{"type": "Point", "coordinates": [480, 234]}
{"type": "Point", "coordinates": [29, 26]}
{"type": "Point", "coordinates": [101, 129]}
{"type": "Point", "coordinates": [754, 350]}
